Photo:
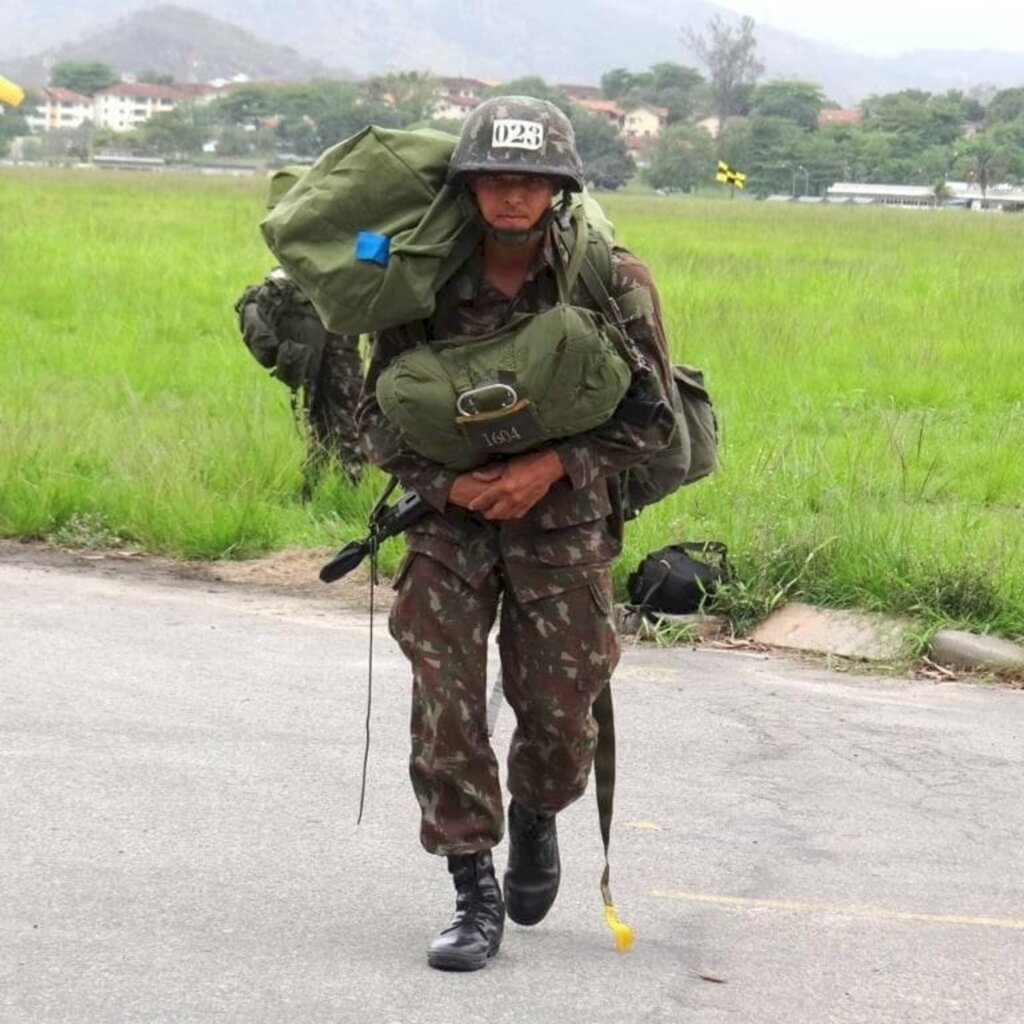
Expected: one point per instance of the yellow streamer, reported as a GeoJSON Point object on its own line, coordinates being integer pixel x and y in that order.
{"type": "Point", "coordinates": [10, 93]}
{"type": "Point", "coordinates": [623, 933]}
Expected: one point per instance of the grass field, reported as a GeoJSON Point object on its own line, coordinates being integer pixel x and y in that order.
{"type": "Point", "coordinates": [867, 367]}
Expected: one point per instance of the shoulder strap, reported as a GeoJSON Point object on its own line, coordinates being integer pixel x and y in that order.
{"type": "Point", "coordinates": [585, 256]}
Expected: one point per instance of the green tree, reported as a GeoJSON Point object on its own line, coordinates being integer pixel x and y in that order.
{"type": "Point", "coordinates": [827, 156]}
{"type": "Point", "coordinates": [336, 110]}
{"type": "Point", "coordinates": [606, 161]}
{"type": "Point", "coordinates": [176, 134]}
{"type": "Point", "coordinates": [1006, 105]}
{"type": "Point", "coordinates": [234, 140]}
{"type": "Point", "coordinates": [774, 164]}
{"type": "Point", "coordinates": [972, 109]}
{"type": "Point", "coordinates": [245, 106]}
{"type": "Point", "coordinates": [797, 101]}
{"type": "Point", "coordinates": [85, 77]}
{"type": "Point", "coordinates": [676, 88]}
{"type": "Point", "coordinates": [885, 158]}
{"type": "Point", "coordinates": [729, 53]}
{"type": "Point", "coordinates": [1009, 137]}
{"type": "Point", "coordinates": [918, 117]}
{"type": "Point", "coordinates": [984, 161]}
{"type": "Point", "coordinates": [413, 94]}
{"type": "Point", "coordinates": [13, 123]}
{"type": "Point", "coordinates": [934, 164]}
{"type": "Point", "coordinates": [684, 158]}
{"type": "Point", "coordinates": [669, 85]}
{"type": "Point", "coordinates": [618, 82]}
{"type": "Point", "coordinates": [532, 85]}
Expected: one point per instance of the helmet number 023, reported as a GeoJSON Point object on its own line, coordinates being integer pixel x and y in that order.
{"type": "Point", "coordinates": [510, 133]}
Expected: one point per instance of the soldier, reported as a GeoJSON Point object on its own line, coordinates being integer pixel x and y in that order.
{"type": "Point", "coordinates": [283, 331]}
{"type": "Point", "coordinates": [533, 534]}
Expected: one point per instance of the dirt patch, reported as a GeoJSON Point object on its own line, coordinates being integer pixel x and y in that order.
{"type": "Point", "coordinates": [293, 571]}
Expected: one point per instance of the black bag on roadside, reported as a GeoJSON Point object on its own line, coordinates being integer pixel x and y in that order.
{"type": "Point", "coordinates": [674, 582]}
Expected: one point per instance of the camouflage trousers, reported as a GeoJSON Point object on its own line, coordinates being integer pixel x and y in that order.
{"type": "Point", "coordinates": [330, 404]}
{"type": "Point", "coordinates": [557, 654]}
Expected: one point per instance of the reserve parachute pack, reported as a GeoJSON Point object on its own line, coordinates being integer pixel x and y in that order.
{"type": "Point", "coordinates": [540, 377]}
{"type": "Point", "coordinates": [371, 232]}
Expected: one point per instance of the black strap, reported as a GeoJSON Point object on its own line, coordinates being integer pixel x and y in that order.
{"type": "Point", "coordinates": [657, 585]}
{"type": "Point", "coordinates": [604, 779]}
{"type": "Point", "coordinates": [369, 674]}
{"type": "Point", "coordinates": [374, 539]}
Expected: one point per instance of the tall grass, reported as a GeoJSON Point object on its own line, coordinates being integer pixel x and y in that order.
{"type": "Point", "coordinates": [866, 365]}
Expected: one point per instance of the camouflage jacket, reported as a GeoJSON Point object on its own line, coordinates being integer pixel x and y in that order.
{"type": "Point", "coordinates": [575, 530]}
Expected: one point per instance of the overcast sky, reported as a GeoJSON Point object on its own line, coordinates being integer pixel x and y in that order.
{"type": "Point", "coordinates": [885, 27]}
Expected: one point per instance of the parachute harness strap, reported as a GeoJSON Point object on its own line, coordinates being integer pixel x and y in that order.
{"type": "Point", "coordinates": [604, 776]}
{"type": "Point", "coordinates": [572, 238]}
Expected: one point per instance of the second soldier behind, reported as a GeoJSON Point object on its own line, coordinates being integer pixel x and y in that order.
{"type": "Point", "coordinates": [282, 330]}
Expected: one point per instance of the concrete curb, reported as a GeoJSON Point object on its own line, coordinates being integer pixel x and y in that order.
{"type": "Point", "coordinates": [956, 648]}
{"type": "Point", "coordinates": [864, 636]}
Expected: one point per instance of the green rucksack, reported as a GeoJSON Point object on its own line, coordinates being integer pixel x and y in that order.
{"type": "Point", "coordinates": [370, 231]}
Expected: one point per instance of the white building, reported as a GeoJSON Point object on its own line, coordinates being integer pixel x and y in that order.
{"type": "Point", "coordinates": [954, 193]}
{"type": "Point", "coordinates": [127, 105]}
{"type": "Point", "coordinates": [644, 122]}
{"type": "Point", "coordinates": [454, 107]}
{"type": "Point", "coordinates": [885, 195]}
{"type": "Point", "coordinates": [466, 88]}
{"type": "Point", "coordinates": [60, 109]}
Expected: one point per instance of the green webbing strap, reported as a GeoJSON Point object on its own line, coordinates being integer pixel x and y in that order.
{"type": "Point", "coordinates": [581, 266]}
{"type": "Point", "coordinates": [604, 778]}
{"type": "Point", "coordinates": [571, 248]}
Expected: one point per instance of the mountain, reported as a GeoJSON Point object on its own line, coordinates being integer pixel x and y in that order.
{"type": "Point", "coordinates": [572, 41]}
{"type": "Point", "coordinates": [191, 46]}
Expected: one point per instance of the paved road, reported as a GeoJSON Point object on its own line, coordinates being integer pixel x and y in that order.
{"type": "Point", "coordinates": [179, 775]}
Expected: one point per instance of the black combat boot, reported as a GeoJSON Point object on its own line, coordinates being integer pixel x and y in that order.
{"type": "Point", "coordinates": [474, 934]}
{"type": "Point", "coordinates": [533, 872]}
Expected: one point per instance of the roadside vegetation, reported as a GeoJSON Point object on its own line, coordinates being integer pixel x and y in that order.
{"type": "Point", "coordinates": [865, 365]}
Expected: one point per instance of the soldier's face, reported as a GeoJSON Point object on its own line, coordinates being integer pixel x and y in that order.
{"type": "Point", "coordinates": [512, 202]}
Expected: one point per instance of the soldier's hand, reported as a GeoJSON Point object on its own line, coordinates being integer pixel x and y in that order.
{"type": "Point", "coordinates": [522, 482]}
{"type": "Point", "coordinates": [467, 487]}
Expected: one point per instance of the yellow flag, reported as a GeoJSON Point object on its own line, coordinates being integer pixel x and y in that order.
{"type": "Point", "coordinates": [10, 93]}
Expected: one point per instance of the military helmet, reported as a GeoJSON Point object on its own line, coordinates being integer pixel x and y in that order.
{"type": "Point", "coordinates": [281, 181]}
{"type": "Point", "coordinates": [517, 135]}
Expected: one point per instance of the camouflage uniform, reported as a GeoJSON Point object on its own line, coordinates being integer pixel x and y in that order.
{"type": "Point", "coordinates": [549, 572]}
{"type": "Point", "coordinates": [283, 331]}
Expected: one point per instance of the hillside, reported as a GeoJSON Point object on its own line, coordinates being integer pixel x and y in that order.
{"type": "Point", "coordinates": [191, 46]}
{"type": "Point", "coordinates": [571, 41]}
